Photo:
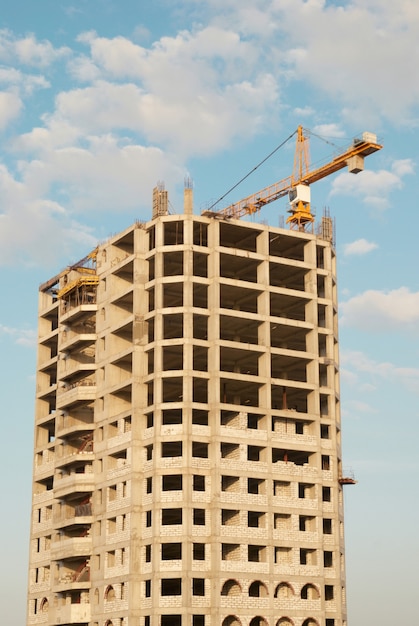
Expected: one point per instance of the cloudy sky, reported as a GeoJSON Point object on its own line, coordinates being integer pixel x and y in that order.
{"type": "Point", "coordinates": [100, 99]}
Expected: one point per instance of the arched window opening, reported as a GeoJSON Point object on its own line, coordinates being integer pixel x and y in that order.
{"type": "Point", "coordinates": [231, 588]}
{"type": "Point", "coordinates": [109, 593]}
{"type": "Point", "coordinates": [44, 605]}
{"type": "Point", "coordinates": [258, 590]}
{"type": "Point", "coordinates": [310, 621]}
{"type": "Point", "coordinates": [310, 592]}
{"type": "Point", "coordinates": [285, 621]}
{"type": "Point", "coordinates": [284, 590]}
{"type": "Point", "coordinates": [258, 621]}
{"type": "Point", "coordinates": [231, 620]}
{"type": "Point", "coordinates": [82, 574]}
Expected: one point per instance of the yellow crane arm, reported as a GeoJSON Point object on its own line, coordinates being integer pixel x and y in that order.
{"type": "Point", "coordinates": [353, 157]}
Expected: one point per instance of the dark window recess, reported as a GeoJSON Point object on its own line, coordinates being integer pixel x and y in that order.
{"type": "Point", "coordinates": [326, 494]}
{"type": "Point", "coordinates": [230, 551]}
{"type": "Point", "coordinates": [253, 420]}
{"type": "Point", "coordinates": [149, 482]}
{"type": "Point", "coordinates": [199, 449]}
{"type": "Point", "coordinates": [254, 485]}
{"type": "Point", "coordinates": [324, 431]}
{"type": "Point", "coordinates": [230, 450]}
{"type": "Point", "coordinates": [328, 559]}
{"type": "Point", "coordinates": [171, 587]}
{"type": "Point", "coordinates": [230, 483]}
{"type": "Point", "coordinates": [171, 620]}
{"type": "Point", "coordinates": [171, 551]}
{"type": "Point", "coordinates": [198, 586]}
{"type": "Point", "coordinates": [200, 264]}
{"type": "Point", "coordinates": [148, 519]}
{"type": "Point", "coordinates": [171, 416]}
{"type": "Point", "coordinates": [172, 482]}
{"type": "Point", "coordinates": [151, 361]}
{"type": "Point", "coordinates": [200, 390]}
{"type": "Point", "coordinates": [198, 620]}
{"type": "Point", "coordinates": [255, 519]}
{"type": "Point", "coordinates": [198, 551]}
{"type": "Point", "coordinates": [199, 417]}
{"type": "Point", "coordinates": [151, 299]}
{"type": "Point", "coordinates": [199, 517]}
{"type": "Point", "coordinates": [290, 456]}
{"type": "Point", "coordinates": [299, 428]}
{"type": "Point", "coordinates": [328, 592]}
{"type": "Point", "coordinates": [173, 233]}
{"type": "Point", "coordinates": [152, 238]}
{"type": "Point", "coordinates": [254, 453]}
{"type": "Point", "coordinates": [171, 448]}
{"type": "Point", "coordinates": [148, 553]}
{"type": "Point", "coordinates": [304, 490]}
{"type": "Point", "coordinates": [150, 330]}
{"type": "Point", "coordinates": [230, 517]}
{"type": "Point", "coordinates": [147, 584]}
{"type": "Point", "coordinates": [151, 268]}
{"type": "Point", "coordinates": [171, 516]}
{"type": "Point", "coordinates": [200, 236]}
{"type": "Point", "coordinates": [200, 326]}
{"type": "Point", "coordinates": [307, 556]}
{"type": "Point", "coordinates": [327, 526]}
{"type": "Point", "coordinates": [255, 553]}
{"type": "Point", "coordinates": [198, 483]}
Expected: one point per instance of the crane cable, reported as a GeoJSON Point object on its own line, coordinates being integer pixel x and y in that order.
{"type": "Point", "coordinates": [251, 171]}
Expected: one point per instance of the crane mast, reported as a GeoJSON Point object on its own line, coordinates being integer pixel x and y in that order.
{"type": "Point", "coordinates": [297, 185]}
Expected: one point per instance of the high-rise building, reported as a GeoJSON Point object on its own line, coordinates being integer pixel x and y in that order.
{"type": "Point", "coordinates": [187, 460]}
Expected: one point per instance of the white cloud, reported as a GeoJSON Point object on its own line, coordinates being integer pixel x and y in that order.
{"type": "Point", "coordinates": [28, 51]}
{"type": "Point", "coordinates": [330, 131]}
{"type": "Point", "coordinates": [10, 107]}
{"type": "Point", "coordinates": [33, 228]}
{"type": "Point", "coordinates": [106, 174]}
{"type": "Point", "coordinates": [379, 310]}
{"type": "Point", "coordinates": [21, 336]}
{"type": "Point", "coordinates": [143, 112]}
{"type": "Point", "coordinates": [362, 53]}
{"type": "Point", "coordinates": [355, 52]}
{"type": "Point", "coordinates": [373, 187]}
{"type": "Point", "coordinates": [359, 247]}
{"type": "Point", "coordinates": [41, 201]}
{"type": "Point", "coordinates": [363, 366]}
{"type": "Point", "coordinates": [306, 111]}
{"type": "Point", "coordinates": [26, 82]}
{"type": "Point", "coordinates": [403, 167]}
{"type": "Point", "coordinates": [83, 69]}
{"type": "Point", "coordinates": [196, 84]}
{"type": "Point", "coordinates": [358, 406]}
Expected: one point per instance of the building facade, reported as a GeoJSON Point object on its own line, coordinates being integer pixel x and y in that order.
{"type": "Point", "coordinates": [187, 464]}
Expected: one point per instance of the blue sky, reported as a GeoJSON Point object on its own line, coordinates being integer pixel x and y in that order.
{"type": "Point", "coordinates": [100, 99]}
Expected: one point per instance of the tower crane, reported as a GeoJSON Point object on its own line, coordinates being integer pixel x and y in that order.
{"type": "Point", "coordinates": [297, 186]}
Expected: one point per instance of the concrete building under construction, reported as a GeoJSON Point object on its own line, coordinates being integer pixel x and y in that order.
{"type": "Point", "coordinates": [187, 460]}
